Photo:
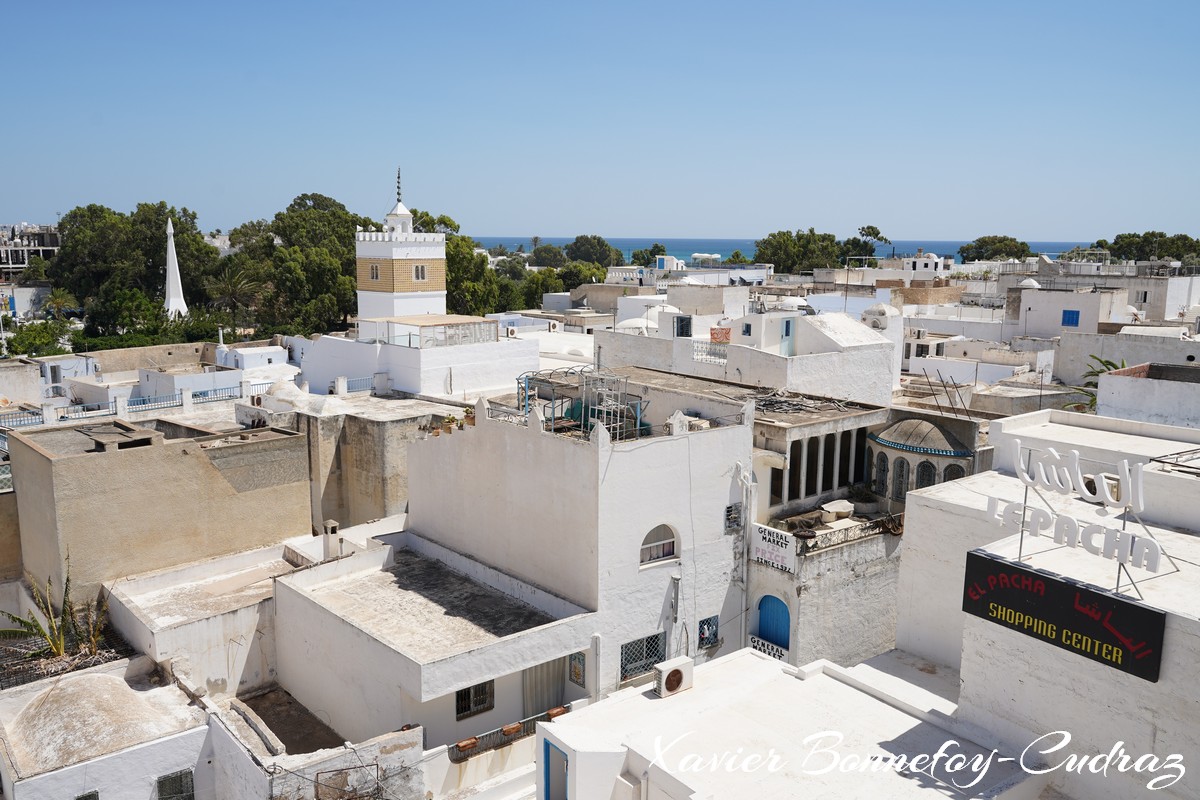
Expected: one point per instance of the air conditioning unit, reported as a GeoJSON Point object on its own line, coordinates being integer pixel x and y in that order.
{"type": "Point", "coordinates": [510, 332]}
{"type": "Point", "coordinates": [554, 325]}
{"type": "Point", "coordinates": [672, 677]}
{"type": "Point", "coordinates": [918, 333]}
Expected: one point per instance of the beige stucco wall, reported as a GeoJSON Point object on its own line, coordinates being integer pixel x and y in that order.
{"type": "Point", "coordinates": [147, 508]}
{"type": "Point", "coordinates": [10, 537]}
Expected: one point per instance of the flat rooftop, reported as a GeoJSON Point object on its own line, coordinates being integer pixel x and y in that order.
{"type": "Point", "coordinates": [1174, 588]}
{"type": "Point", "coordinates": [747, 703]}
{"type": "Point", "coordinates": [204, 589]}
{"type": "Point", "coordinates": [782, 408]}
{"type": "Point", "coordinates": [361, 404]}
{"type": "Point", "coordinates": [425, 610]}
{"type": "Point", "coordinates": [88, 438]}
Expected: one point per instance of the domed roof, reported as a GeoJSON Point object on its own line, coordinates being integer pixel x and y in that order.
{"type": "Point", "coordinates": [881, 310]}
{"type": "Point", "coordinates": [921, 436]}
{"type": "Point", "coordinates": [86, 716]}
{"type": "Point", "coordinates": [1029, 283]}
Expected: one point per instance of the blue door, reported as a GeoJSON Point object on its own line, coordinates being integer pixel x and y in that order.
{"type": "Point", "coordinates": [774, 621]}
{"type": "Point", "coordinates": [555, 772]}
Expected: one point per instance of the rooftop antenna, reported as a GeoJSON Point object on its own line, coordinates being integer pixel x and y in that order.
{"type": "Point", "coordinates": [398, 193]}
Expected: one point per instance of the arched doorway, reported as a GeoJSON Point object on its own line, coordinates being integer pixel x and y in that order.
{"type": "Point", "coordinates": [774, 621]}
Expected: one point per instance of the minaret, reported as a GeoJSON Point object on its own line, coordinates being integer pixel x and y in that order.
{"type": "Point", "coordinates": [175, 304]}
{"type": "Point", "coordinates": [400, 272]}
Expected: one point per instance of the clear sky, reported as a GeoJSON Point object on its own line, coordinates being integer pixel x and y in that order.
{"type": "Point", "coordinates": [935, 120]}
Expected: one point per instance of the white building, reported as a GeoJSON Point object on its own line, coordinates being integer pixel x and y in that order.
{"type": "Point", "coordinates": [831, 355]}
{"type": "Point", "coordinates": [1165, 394]}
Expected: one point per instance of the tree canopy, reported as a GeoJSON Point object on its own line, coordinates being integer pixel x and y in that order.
{"type": "Point", "coordinates": [1152, 245]}
{"type": "Point", "coordinates": [548, 255]}
{"type": "Point", "coordinates": [646, 256]}
{"type": "Point", "coordinates": [595, 250]}
{"type": "Point", "coordinates": [994, 248]}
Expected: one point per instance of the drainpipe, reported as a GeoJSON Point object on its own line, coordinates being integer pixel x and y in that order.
{"type": "Point", "coordinates": [746, 478]}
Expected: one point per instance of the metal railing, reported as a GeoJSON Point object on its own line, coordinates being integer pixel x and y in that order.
{"type": "Point", "coordinates": [6, 484]}
{"type": "Point", "coordinates": [86, 410]}
{"type": "Point", "coordinates": [260, 388]}
{"type": "Point", "coordinates": [360, 384]}
{"type": "Point", "coordinates": [710, 352]}
{"type": "Point", "coordinates": [17, 419]}
{"type": "Point", "coordinates": [161, 401]}
{"type": "Point", "coordinates": [4, 441]}
{"type": "Point", "coordinates": [501, 737]}
{"type": "Point", "coordinates": [213, 395]}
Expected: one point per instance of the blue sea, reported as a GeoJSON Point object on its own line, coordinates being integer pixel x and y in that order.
{"type": "Point", "coordinates": [683, 248]}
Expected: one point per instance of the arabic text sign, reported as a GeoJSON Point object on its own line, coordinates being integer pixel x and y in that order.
{"type": "Point", "coordinates": [774, 548]}
{"type": "Point", "coordinates": [1095, 624]}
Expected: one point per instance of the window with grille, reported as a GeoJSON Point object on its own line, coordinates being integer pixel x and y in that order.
{"type": "Point", "coordinates": [708, 632]}
{"type": "Point", "coordinates": [419, 272]}
{"type": "Point", "coordinates": [176, 786]}
{"type": "Point", "coordinates": [1070, 319]}
{"type": "Point", "coordinates": [474, 700]}
{"type": "Point", "coordinates": [658, 545]}
{"type": "Point", "coordinates": [639, 656]}
{"type": "Point", "coordinates": [733, 517]}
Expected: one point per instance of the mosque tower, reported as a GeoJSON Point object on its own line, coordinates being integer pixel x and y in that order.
{"type": "Point", "coordinates": [400, 273]}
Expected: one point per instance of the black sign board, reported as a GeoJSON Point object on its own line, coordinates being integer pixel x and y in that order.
{"type": "Point", "coordinates": [1119, 633]}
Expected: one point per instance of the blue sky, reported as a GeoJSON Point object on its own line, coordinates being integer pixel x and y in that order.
{"type": "Point", "coordinates": [1044, 120]}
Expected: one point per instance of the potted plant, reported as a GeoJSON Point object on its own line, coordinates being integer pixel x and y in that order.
{"type": "Point", "coordinates": [448, 423]}
{"type": "Point", "coordinates": [865, 500]}
{"type": "Point", "coordinates": [469, 416]}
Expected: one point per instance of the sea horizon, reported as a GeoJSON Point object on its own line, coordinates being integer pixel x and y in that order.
{"type": "Point", "coordinates": [683, 248]}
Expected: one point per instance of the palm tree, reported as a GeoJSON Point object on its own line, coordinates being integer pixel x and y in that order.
{"type": "Point", "coordinates": [233, 289]}
{"type": "Point", "coordinates": [1092, 382]}
{"type": "Point", "coordinates": [59, 302]}
{"type": "Point", "coordinates": [534, 241]}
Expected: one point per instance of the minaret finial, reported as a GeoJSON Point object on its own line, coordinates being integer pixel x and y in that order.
{"type": "Point", "coordinates": [398, 198]}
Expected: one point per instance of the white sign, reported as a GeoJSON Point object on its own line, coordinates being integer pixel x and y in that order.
{"type": "Point", "coordinates": [1062, 474]}
{"type": "Point", "coordinates": [774, 548]}
{"type": "Point", "coordinates": [763, 646]}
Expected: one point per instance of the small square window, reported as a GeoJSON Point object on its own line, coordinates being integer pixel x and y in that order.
{"type": "Point", "coordinates": [745, 329]}
{"type": "Point", "coordinates": [1070, 319]}
{"type": "Point", "coordinates": [474, 700]}
{"type": "Point", "coordinates": [708, 632]}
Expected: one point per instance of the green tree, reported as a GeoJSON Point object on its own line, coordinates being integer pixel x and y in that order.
{"type": "Point", "coordinates": [994, 248]}
{"type": "Point", "coordinates": [595, 250]}
{"type": "Point", "coordinates": [471, 288]}
{"type": "Point", "coordinates": [254, 240]}
{"type": "Point", "coordinates": [34, 272]}
{"type": "Point", "coordinates": [779, 248]}
{"type": "Point", "coordinates": [872, 234]}
{"type": "Point", "coordinates": [541, 282]}
{"type": "Point", "coordinates": [424, 222]}
{"type": "Point", "coordinates": [548, 255]}
{"type": "Point", "coordinates": [314, 221]}
{"type": "Point", "coordinates": [534, 243]}
{"type": "Point", "coordinates": [38, 339]}
{"type": "Point", "coordinates": [817, 250]}
{"type": "Point", "coordinates": [509, 294]}
{"type": "Point", "coordinates": [499, 251]}
{"type": "Point", "coordinates": [512, 267]}
{"type": "Point", "coordinates": [59, 302]}
{"type": "Point", "coordinates": [234, 290]}
{"type": "Point", "coordinates": [736, 257]}
{"type": "Point", "coordinates": [1092, 383]}
{"type": "Point", "coordinates": [647, 256]}
{"type": "Point", "coordinates": [580, 272]}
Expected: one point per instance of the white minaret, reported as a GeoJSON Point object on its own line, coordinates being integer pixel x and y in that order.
{"type": "Point", "coordinates": [176, 306]}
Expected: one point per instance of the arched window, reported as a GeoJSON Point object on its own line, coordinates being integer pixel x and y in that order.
{"type": "Point", "coordinates": [374, 272]}
{"type": "Point", "coordinates": [881, 469]}
{"type": "Point", "coordinates": [658, 545]}
{"type": "Point", "coordinates": [926, 474]}
{"type": "Point", "coordinates": [953, 473]}
{"type": "Point", "coordinates": [774, 621]}
{"type": "Point", "coordinates": [899, 478]}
